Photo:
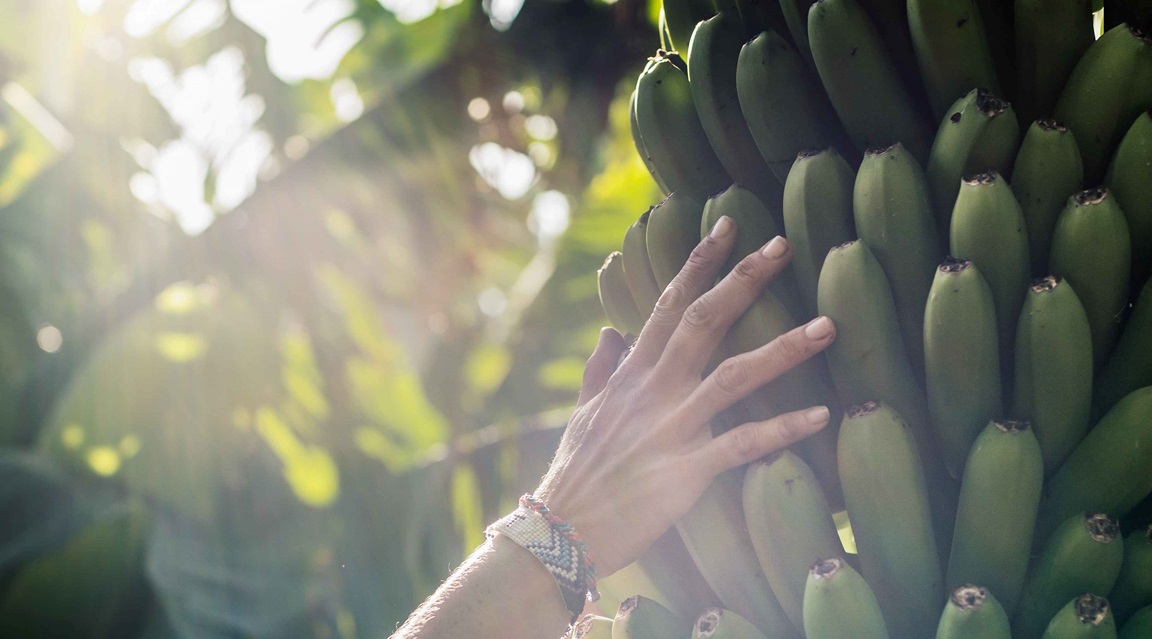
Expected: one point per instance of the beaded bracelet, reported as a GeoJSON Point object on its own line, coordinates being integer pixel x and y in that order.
{"type": "Point", "coordinates": [557, 545]}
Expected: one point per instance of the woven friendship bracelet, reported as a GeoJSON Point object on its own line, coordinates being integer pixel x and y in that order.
{"type": "Point", "coordinates": [557, 545]}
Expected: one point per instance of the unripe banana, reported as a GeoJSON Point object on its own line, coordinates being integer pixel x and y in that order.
{"type": "Point", "coordinates": [861, 80]}
{"type": "Point", "coordinates": [642, 618]}
{"type": "Point", "coordinates": [891, 20]}
{"type": "Point", "coordinates": [893, 215]}
{"type": "Point", "coordinates": [716, 536]}
{"type": "Point", "coordinates": [1083, 555]}
{"type": "Point", "coordinates": [616, 298]}
{"type": "Point", "coordinates": [1048, 170]}
{"type": "Point", "coordinates": [887, 501]}
{"type": "Point", "coordinates": [1139, 626]}
{"type": "Point", "coordinates": [796, 17]}
{"type": "Point", "coordinates": [1110, 86]}
{"type": "Point", "coordinates": [973, 613]}
{"type": "Point", "coordinates": [1133, 589]}
{"type": "Point", "coordinates": [755, 226]}
{"type": "Point", "coordinates": [1110, 470]}
{"type": "Point", "coordinates": [1053, 381]}
{"type": "Point", "coordinates": [784, 106]}
{"type": "Point", "coordinates": [817, 215]}
{"type": "Point", "coordinates": [952, 50]}
{"type": "Point", "coordinates": [1051, 35]}
{"type": "Point", "coordinates": [1092, 249]}
{"type": "Point", "coordinates": [960, 326]}
{"type": "Point", "coordinates": [592, 627]}
{"type": "Point", "coordinates": [979, 133]}
{"type": "Point", "coordinates": [673, 231]}
{"type": "Point", "coordinates": [988, 229]}
{"type": "Point", "coordinates": [1128, 178]}
{"type": "Point", "coordinates": [790, 523]}
{"type": "Point", "coordinates": [839, 604]}
{"type": "Point", "coordinates": [681, 17]}
{"type": "Point", "coordinates": [1085, 617]}
{"type": "Point", "coordinates": [717, 623]}
{"type": "Point", "coordinates": [759, 16]}
{"type": "Point", "coordinates": [637, 270]}
{"type": "Point", "coordinates": [1129, 368]}
{"type": "Point", "coordinates": [712, 60]}
{"type": "Point", "coordinates": [638, 142]}
{"type": "Point", "coordinates": [999, 497]}
{"type": "Point", "coordinates": [671, 131]}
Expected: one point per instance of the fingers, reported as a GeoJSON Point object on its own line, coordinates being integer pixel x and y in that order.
{"type": "Point", "coordinates": [708, 319]}
{"type": "Point", "coordinates": [696, 277]}
{"type": "Point", "coordinates": [748, 442]}
{"type": "Point", "coordinates": [601, 364]}
{"type": "Point", "coordinates": [738, 376]}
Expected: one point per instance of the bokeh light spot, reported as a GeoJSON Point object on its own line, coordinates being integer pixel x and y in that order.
{"type": "Point", "coordinates": [129, 446]}
{"type": "Point", "coordinates": [478, 109]}
{"type": "Point", "coordinates": [50, 339]}
{"type": "Point", "coordinates": [72, 436]}
{"type": "Point", "coordinates": [181, 347]}
{"type": "Point", "coordinates": [103, 460]}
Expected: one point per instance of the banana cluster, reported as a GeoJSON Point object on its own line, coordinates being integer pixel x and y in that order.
{"type": "Point", "coordinates": [967, 189]}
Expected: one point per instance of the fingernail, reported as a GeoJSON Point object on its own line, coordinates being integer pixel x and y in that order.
{"type": "Point", "coordinates": [818, 329]}
{"type": "Point", "coordinates": [816, 415]}
{"type": "Point", "coordinates": [776, 248]}
{"type": "Point", "coordinates": [722, 227]}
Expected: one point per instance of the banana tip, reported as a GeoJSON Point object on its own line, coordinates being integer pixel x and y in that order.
{"type": "Point", "coordinates": [1044, 284]}
{"type": "Point", "coordinates": [827, 568]}
{"type": "Point", "coordinates": [952, 265]}
{"type": "Point", "coordinates": [1089, 197]}
{"type": "Point", "coordinates": [1012, 425]}
{"type": "Point", "coordinates": [861, 410]}
{"type": "Point", "coordinates": [969, 597]}
{"type": "Point", "coordinates": [1091, 610]}
{"type": "Point", "coordinates": [1102, 527]}
{"type": "Point", "coordinates": [708, 622]}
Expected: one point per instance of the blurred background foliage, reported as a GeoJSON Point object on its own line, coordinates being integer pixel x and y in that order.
{"type": "Point", "coordinates": [295, 296]}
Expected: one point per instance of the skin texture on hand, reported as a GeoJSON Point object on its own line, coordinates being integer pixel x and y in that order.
{"type": "Point", "coordinates": [639, 450]}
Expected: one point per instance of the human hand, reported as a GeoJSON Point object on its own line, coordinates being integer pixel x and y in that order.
{"type": "Point", "coordinates": [638, 451]}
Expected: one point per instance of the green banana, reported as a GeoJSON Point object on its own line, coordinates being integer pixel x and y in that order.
{"type": "Point", "coordinates": [715, 533]}
{"type": "Point", "coordinates": [638, 142]}
{"type": "Point", "coordinates": [1110, 470]}
{"type": "Point", "coordinates": [839, 604]}
{"type": "Point", "coordinates": [960, 327]}
{"type": "Point", "coordinates": [717, 623]}
{"type": "Point", "coordinates": [999, 497]}
{"type": "Point", "coordinates": [1133, 588]}
{"type": "Point", "coordinates": [1083, 555]}
{"type": "Point", "coordinates": [978, 134]}
{"type": "Point", "coordinates": [712, 61]}
{"type": "Point", "coordinates": [1110, 86]}
{"type": "Point", "coordinates": [592, 627]}
{"type": "Point", "coordinates": [1139, 626]}
{"type": "Point", "coordinates": [1129, 368]}
{"type": "Point", "coordinates": [952, 50]}
{"type": "Point", "coordinates": [642, 618]}
{"type": "Point", "coordinates": [893, 216]}
{"type": "Point", "coordinates": [987, 228]}
{"type": "Point", "coordinates": [865, 89]}
{"type": "Point", "coordinates": [817, 215]}
{"type": "Point", "coordinates": [1128, 178]}
{"type": "Point", "coordinates": [681, 17]}
{"type": "Point", "coordinates": [891, 20]}
{"type": "Point", "coordinates": [1085, 617]}
{"type": "Point", "coordinates": [673, 231]}
{"type": "Point", "coordinates": [1053, 382]}
{"type": "Point", "coordinates": [1092, 249]}
{"type": "Point", "coordinates": [759, 16]}
{"type": "Point", "coordinates": [804, 386]}
{"type": "Point", "coordinates": [783, 104]}
{"type": "Point", "coordinates": [755, 226]}
{"type": "Point", "coordinates": [1048, 170]}
{"type": "Point", "coordinates": [790, 523]}
{"type": "Point", "coordinates": [796, 17]}
{"type": "Point", "coordinates": [1051, 36]}
{"type": "Point", "coordinates": [671, 132]}
{"type": "Point", "coordinates": [616, 298]}
{"type": "Point", "coordinates": [637, 270]}
{"type": "Point", "coordinates": [887, 500]}
{"type": "Point", "coordinates": [973, 613]}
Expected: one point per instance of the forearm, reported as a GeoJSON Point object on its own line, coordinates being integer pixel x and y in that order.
{"type": "Point", "coordinates": [501, 591]}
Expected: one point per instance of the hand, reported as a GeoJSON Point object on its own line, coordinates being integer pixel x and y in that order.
{"type": "Point", "coordinates": [638, 452]}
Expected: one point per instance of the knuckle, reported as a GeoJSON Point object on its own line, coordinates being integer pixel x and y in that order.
{"type": "Point", "coordinates": [791, 349]}
{"type": "Point", "coordinates": [669, 300]}
{"type": "Point", "coordinates": [745, 443]}
{"type": "Point", "coordinates": [732, 376]}
{"type": "Point", "coordinates": [700, 257]}
{"type": "Point", "coordinates": [701, 315]}
{"type": "Point", "coordinates": [749, 270]}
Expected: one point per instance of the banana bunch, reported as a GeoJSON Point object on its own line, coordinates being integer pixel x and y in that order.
{"type": "Point", "coordinates": [967, 188]}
